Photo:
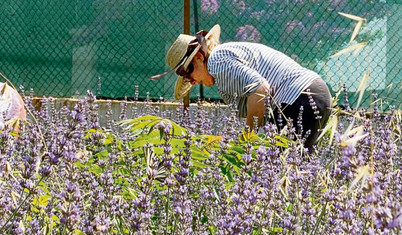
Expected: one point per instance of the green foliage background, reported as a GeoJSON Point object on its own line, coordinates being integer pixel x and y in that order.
{"type": "Point", "coordinates": [63, 48]}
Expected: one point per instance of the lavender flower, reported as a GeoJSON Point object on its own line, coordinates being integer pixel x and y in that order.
{"type": "Point", "coordinates": [70, 171]}
{"type": "Point", "coordinates": [209, 6]}
{"type": "Point", "coordinates": [248, 33]}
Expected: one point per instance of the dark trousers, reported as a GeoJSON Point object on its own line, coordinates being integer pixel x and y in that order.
{"type": "Point", "coordinates": [323, 102]}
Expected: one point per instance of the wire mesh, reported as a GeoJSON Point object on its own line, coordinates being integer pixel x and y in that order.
{"type": "Point", "coordinates": [63, 48]}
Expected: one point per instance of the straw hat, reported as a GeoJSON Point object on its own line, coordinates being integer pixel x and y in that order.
{"type": "Point", "coordinates": [175, 58]}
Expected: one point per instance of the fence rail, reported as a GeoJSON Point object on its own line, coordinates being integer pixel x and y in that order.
{"type": "Point", "coordinates": [63, 48]}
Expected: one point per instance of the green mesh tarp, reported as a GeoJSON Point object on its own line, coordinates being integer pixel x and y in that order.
{"type": "Point", "coordinates": [63, 48]}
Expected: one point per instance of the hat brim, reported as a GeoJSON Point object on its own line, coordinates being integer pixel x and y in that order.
{"type": "Point", "coordinates": [183, 87]}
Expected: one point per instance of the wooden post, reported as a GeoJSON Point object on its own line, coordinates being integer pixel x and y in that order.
{"type": "Point", "coordinates": [196, 29]}
{"type": "Point", "coordinates": [186, 30]}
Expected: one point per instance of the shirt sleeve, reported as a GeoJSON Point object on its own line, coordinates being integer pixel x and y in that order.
{"type": "Point", "coordinates": [235, 79]}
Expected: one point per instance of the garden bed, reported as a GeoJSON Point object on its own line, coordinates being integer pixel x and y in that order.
{"type": "Point", "coordinates": [153, 170]}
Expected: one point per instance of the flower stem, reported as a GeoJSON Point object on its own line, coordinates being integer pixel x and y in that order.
{"type": "Point", "coordinates": [319, 218]}
{"type": "Point", "coordinates": [19, 207]}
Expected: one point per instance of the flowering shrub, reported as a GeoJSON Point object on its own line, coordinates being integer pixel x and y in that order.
{"type": "Point", "coordinates": [209, 6]}
{"type": "Point", "coordinates": [248, 33]}
{"type": "Point", "coordinates": [310, 29]}
{"type": "Point", "coordinates": [157, 172]}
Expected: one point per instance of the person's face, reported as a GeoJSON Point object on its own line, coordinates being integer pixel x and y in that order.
{"type": "Point", "coordinates": [200, 74]}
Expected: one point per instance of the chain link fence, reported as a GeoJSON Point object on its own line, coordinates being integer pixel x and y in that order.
{"type": "Point", "coordinates": [62, 48]}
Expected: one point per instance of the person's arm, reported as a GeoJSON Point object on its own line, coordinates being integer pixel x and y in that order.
{"type": "Point", "coordinates": [256, 105]}
{"type": "Point", "coordinates": [239, 83]}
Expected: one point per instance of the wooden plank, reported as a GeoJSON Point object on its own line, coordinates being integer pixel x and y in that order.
{"type": "Point", "coordinates": [186, 30]}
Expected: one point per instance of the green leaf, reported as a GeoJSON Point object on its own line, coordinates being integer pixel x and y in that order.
{"type": "Point", "coordinates": [140, 123]}
{"type": "Point", "coordinates": [79, 165]}
{"type": "Point", "coordinates": [281, 141]}
{"type": "Point", "coordinates": [109, 139]}
{"type": "Point", "coordinates": [102, 154]}
{"type": "Point", "coordinates": [127, 194]}
{"type": "Point", "coordinates": [44, 187]}
{"type": "Point", "coordinates": [177, 143]}
{"type": "Point", "coordinates": [42, 201]}
{"type": "Point", "coordinates": [137, 125]}
{"type": "Point", "coordinates": [212, 229]}
{"type": "Point", "coordinates": [139, 152]}
{"type": "Point", "coordinates": [55, 220]}
{"type": "Point", "coordinates": [122, 170]}
{"type": "Point", "coordinates": [204, 220]}
{"type": "Point", "coordinates": [158, 150]}
{"type": "Point", "coordinates": [248, 137]}
{"type": "Point", "coordinates": [178, 130]}
{"type": "Point", "coordinates": [78, 232]}
{"type": "Point", "coordinates": [95, 169]}
{"type": "Point", "coordinates": [197, 154]}
{"type": "Point", "coordinates": [121, 181]}
{"type": "Point", "coordinates": [138, 120]}
{"type": "Point", "coordinates": [289, 207]}
{"type": "Point", "coordinates": [210, 141]}
{"type": "Point", "coordinates": [151, 138]}
{"type": "Point", "coordinates": [237, 149]}
{"type": "Point", "coordinates": [277, 229]}
{"type": "Point", "coordinates": [233, 160]}
{"type": "Point", "coordinates": [140, 143]}
{"type": "Point", "coordinates": [227, 171]}
{"type": "Point", "coordinates": [198, 164]}
{"type": "Point", "coordinates": [90, 132]}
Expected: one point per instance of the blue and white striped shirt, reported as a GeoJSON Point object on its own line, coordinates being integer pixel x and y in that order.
{"type": "Point", "coordinates": [235, 66]}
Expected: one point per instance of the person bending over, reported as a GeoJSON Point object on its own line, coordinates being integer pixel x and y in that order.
{"type": "Point", "coordinates": [244, 72]}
